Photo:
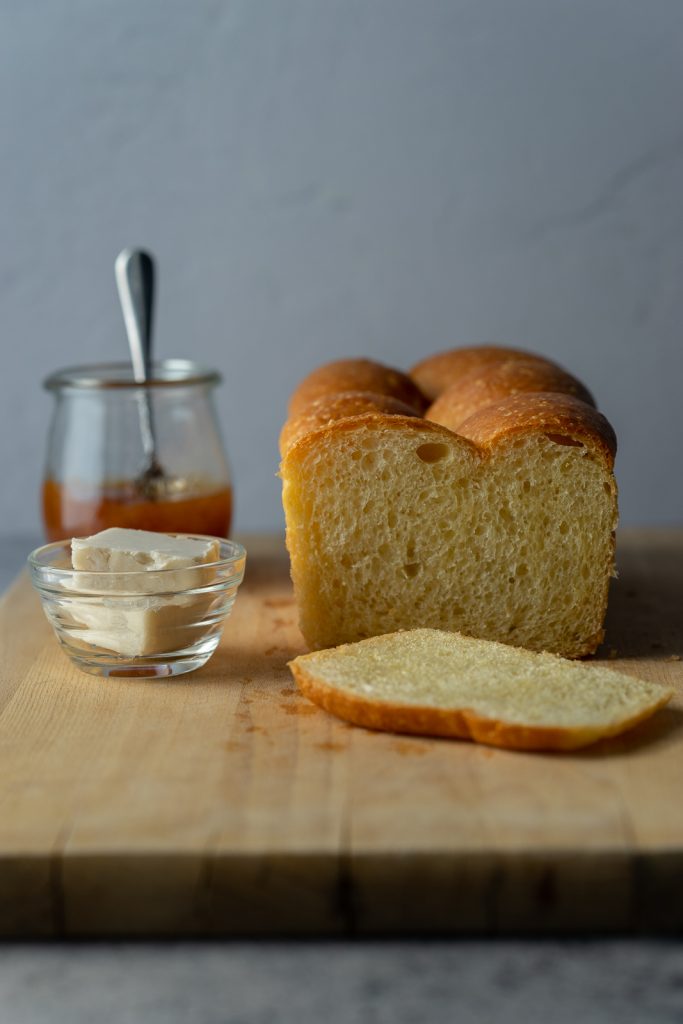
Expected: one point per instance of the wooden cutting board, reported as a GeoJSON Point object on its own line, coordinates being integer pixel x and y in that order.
{"type": "Point", "coordinates": [224, 803]}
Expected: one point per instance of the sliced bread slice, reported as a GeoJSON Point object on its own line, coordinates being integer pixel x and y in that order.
{"type": "Point", "coordinates": [431, 682]}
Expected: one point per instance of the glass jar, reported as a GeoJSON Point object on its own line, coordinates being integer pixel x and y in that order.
{"type": "Point", "coordinates": [96, 473]}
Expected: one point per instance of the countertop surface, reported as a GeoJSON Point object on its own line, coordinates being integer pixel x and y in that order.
{"type": "Point", "coordinates": [479, 982]}
{"type": "Point", "coordinates": [595, 980]}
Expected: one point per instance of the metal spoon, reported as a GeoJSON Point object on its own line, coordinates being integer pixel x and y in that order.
{"type": "Point", "coordinates": [134, 272]}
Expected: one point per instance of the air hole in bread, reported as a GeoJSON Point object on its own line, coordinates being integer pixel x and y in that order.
{"type": "Point", "coordinates": [569, 442]}
{"type": "Point", "coordinates": [563, 528]}
{"type": "Point", "coordinates": [411, 569]}
{"type": "Point", "coordinates": [432, 451]}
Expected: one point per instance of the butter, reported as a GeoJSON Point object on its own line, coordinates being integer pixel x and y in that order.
{"type": "Point", "coordinates": [122, 569]}
{"type": "Point", "coordinates": [122, 551]}
{"type": "Point", "coordinates": [144, 626]}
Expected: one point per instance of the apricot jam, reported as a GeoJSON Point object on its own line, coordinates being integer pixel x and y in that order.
{"type": "Point", "coordinates": [74, 510]}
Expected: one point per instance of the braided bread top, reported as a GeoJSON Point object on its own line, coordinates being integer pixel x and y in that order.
{"type": "Point", "coordinates": [482, 393]}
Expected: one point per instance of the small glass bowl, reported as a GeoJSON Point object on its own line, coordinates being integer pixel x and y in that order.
{"type": "Point", "coordinates": [160, 622]}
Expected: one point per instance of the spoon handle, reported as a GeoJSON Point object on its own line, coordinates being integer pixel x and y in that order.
{"type": "Point", "coordinates": [134, 271]}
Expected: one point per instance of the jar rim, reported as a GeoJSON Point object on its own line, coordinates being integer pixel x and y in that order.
{"type": "Point", "coordinates": [165, 373]}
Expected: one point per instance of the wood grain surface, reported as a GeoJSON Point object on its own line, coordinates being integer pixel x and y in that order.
{"type": "Point", "coordinates": [223, 803]}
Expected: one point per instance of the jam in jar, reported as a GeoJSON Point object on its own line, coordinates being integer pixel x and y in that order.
{"type": "Point", "coordinates": [94, 475]}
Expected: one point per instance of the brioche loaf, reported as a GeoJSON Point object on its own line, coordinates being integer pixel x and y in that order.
{"type": "Point", "coordinates": [425, 681]}
{"type": "Point", "coordinates": [496, 521]}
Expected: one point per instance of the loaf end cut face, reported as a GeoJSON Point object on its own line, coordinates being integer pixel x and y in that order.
{"type": "Point", "coordinates": [394, 522]}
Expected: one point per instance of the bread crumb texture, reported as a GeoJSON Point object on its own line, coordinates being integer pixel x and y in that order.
{"type": "Point", "coordinates": [394, 523]}
{"type": "Point", "coordinates": [441, 683]}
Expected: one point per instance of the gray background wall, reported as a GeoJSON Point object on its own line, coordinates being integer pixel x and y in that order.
{"type": "Point", "coordinates": [331, 177]}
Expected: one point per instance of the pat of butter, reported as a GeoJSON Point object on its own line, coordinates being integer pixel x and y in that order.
{"type": "Point", "coordinates": [118, 550]}
{"type": "Point", "coordinates": [131, 566]}
{"type": "Point", "coordinates": [158, 559]}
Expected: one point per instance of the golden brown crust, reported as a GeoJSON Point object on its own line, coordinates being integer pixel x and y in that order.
{"type": "Point", "coordinates": [483, 386]}
{"type": "Point", "coordinates": [498, 393]}
{"type": "Point", "coordinates": [562, 418]}
{"type": "Point", "coordinates": [356, 375]}
{"type": "Point", "coordinates": [329, 408]}
{"type": "Point", "coordinates": [463, 723]}
{"type": "Point", "coordinates": [438, 372]}
{"type": "Point", "coordinates": [378, 421]}
{"type": "Point", "coordinates": [591, 645]}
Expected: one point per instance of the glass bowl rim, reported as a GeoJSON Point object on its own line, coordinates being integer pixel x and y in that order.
{"type": "Point", "coordinates": [166, 373]}
{"type": "Point", "coordinates": [238, 555]}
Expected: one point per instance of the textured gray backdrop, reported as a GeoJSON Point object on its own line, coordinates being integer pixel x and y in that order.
{"type": "Point", "coordinates": [331, 177]}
